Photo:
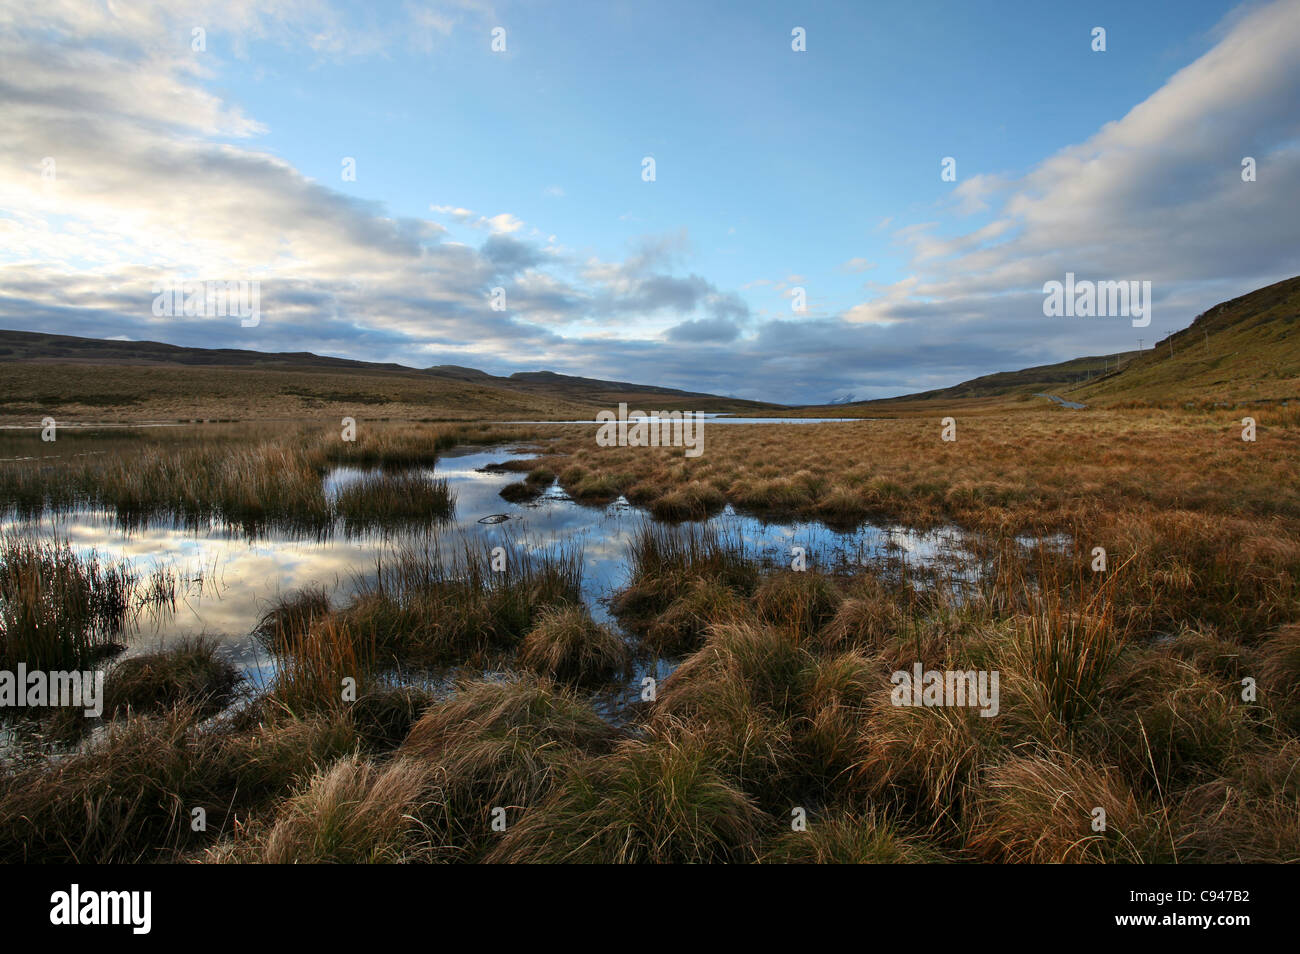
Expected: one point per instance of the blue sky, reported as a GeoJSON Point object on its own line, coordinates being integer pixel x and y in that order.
{"type": "Point", "coordinates": [521, 169]}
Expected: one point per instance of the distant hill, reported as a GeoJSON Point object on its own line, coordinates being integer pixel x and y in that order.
{"type": "Point", "coordinates": [35, 346]}
{"type": "Point", "coordinates": [1242, 351]}
{"type": "Point", "coordinates": [94, 379]}
{"type": "Point", "coordinates": [1042, 378]}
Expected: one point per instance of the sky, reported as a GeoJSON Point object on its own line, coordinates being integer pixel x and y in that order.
{"type": "Point", "coordinates": [467, 182]}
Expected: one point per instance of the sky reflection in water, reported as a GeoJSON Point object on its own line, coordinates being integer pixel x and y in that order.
{"type": "Point", "coordinates": [241, 575]}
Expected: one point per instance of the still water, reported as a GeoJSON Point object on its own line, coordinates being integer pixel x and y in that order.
{"type": "Point", "coordinates": [229, 579]}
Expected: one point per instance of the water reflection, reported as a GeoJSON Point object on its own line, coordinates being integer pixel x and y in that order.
{"type": "Point", "coordinates": [228, 577]}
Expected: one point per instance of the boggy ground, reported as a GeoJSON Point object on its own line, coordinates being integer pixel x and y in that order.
{"type": "Point", "coordinates": [1162, 690]}
{"type": "Point", "coordinates": [1029, 469]}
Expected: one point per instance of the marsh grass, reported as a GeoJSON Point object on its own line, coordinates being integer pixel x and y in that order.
{"type": "Point", "coordinates": [1120, 689]}
{"type": "Point", "coordinates": [353, 812]}
{"type": "Point", "coordinates": [251, 477]}
{"type": "Point", "coordinates": [660, 800]}
{"type": "Point", "coordinates": [437, 604]}
{"type": "Point", "coordinates": [1037, 809]}
{"type": "Point", "coordinates": [565, 643]}
{"type": "Point", "coordinates": [681, 627]}
{"type": "Point", "coordinates": [384, 499]}
{"type": "Point", "coordinates": [59, 611]}
{"type": "Point", "coordinates": [290, 614]}
{"type": "Point", "coordinates": [665, 561]}
{"type": "Point", "coordinates": [798, 602]}
{"type": "Point", "coordinates": [537, 482]}
{"type": "Point", "coordinates": [850, 839]}
{"type": "Point", "coordinates": [130, 797]}
{"type": "Point", "coordinates": [1279, 674]}
{"type": "Point", "coordinates": [503, 744]}
{"type": "Point", "coordinates": [324, 666]}
{"type": "Point", "coordinates": [1019, 470]}
{"type": "Point", "coordinates": [190, 673]}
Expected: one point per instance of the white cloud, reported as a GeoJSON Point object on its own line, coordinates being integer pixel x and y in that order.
{"type": "Point", "coordinates": [857, 266]}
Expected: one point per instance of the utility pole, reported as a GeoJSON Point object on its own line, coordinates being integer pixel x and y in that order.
{"type": "Point", "coordinates": [1139, 344]}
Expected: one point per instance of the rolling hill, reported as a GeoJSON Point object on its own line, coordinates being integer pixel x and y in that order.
{"type": "Point", "coordinates": [87, 379]}
{"type": "Point", "coordinates": [1243, 351]}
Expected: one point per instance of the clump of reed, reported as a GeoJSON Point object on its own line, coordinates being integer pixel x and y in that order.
{"type": "Point", "coordinates": [59, 611]}
{"type": "Point", "coordinates": [191, 673]}
{"type": "Point", "coordinates": [383, 498]}
{"type": "Point", "coordinates": [434, 606]}
{"type": "Point", "coordinates": [666, 560]}
{"type": "Point", "coordinates": [291, 614]}
{"type": "Point", "coordinates": [500, 744]}
{"type": "Point", "coordinates": [324, 666]}
{"type": "Point", "coordinates": [565, 643]}
{"type": "Point", "coordinates": [253, 477]}
{"type": "Point", "coordinates": [394, 446]}
{"type": "Point", "coordinates": [131, 797]}
{"type": "Point", "coordinates": [530, 488]}
{"type": "Point", "coordinates": [663, 799]}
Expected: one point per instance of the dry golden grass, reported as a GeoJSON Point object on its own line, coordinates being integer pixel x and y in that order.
{"type": "Point", "coordinates": [1120, 689]}
{"type": "Point", "coordinates": [1028, 469]}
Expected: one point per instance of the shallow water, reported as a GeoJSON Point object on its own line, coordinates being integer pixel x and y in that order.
{"type": "Point", "coordinates": [230, 579]}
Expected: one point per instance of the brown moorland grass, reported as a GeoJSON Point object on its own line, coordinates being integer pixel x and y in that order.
{"type": "Point", "coordinates": [565, 643]}
{"type": "Point", "coordinates": [1028, 470]}
{"type": "Point", "coordinates": [1121, 688]}
{"type": "Point", "coordinates": [191, 672]}
{"type": "Point", "coordinates": [248, 475]}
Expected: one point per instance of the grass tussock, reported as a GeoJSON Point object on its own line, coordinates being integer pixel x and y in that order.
{"type": "Point", "coordinates": [681, 627]}
{"type": "Point", "coordinates": [192, 673]}
{"type": "Point", "coordinates": [660, 800]}
{"type": "Point", "coordinates": [500, 744]}
{"type": "Point", "coordinates": [353, 812]}
{"type": "Point", "coordinates": [566, 644]}
{"type": "Point", "coordinates": [798, 602]}
{"type": "Point", "coordinates": [1279, 674]}
{"type": "Point", "coordinates": [666, 561]}
{"type": "Point", "coordinates": [59, 611]}
{"type": "Point", "coordinates": [384, 498]}
{"type": "Point", "coordinates": [849, 839]}
{"type": "Point", "coordinates": [290, 615]}
{"type": "Point", "coordinates": [1038, 809]}
{"type": "Point", "coordinates": [131, 797]}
